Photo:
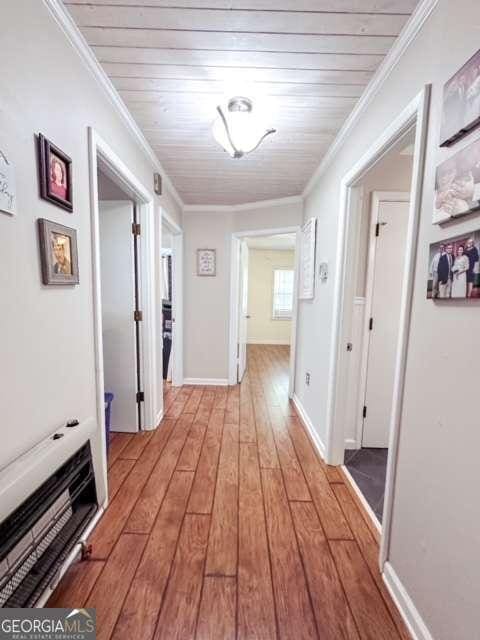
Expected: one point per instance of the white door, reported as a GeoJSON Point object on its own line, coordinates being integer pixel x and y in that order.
{"type": "Point", "coordinates": [243, 307]}
{"type": "Point", "coordinates": [387, 261]}
{"type": "Point", "coordinates": [118, 304]}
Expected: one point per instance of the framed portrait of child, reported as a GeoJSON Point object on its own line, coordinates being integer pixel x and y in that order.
{"type": "Point", "coordinates": [55, 174]}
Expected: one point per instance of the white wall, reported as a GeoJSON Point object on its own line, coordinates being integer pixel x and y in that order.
{"type": "Point", "coordinates": [436, 516]}
{"type": "Point", "coordinates": [207, 299]}
{"type": "Point", "coordinates": [47, 348]}
{"type": "Point", "coordinates": [262, 328]}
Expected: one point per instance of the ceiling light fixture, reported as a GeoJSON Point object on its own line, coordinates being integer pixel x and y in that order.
{"type": "Point", "coordinates": [238, 131]}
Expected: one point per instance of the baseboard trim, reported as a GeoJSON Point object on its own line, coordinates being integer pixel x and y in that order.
{"type": "Point", "coordinates": [207, 382]}
{"type": "Point", "coordinates": [405, 605]}
{"type": "Point", "coordinates": [307, 423]}
{"type": "Point", "coordinates": [159, 418]}
{"type": "Point", "coordinates": [361, 498]}
{"type": "Point", "coordinates": [351, 443]}
{"type": "Point", "coordinates": [262, 341]}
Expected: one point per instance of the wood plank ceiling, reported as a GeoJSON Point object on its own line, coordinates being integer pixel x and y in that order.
{"type": "Point", "coordinates": [305, 63]}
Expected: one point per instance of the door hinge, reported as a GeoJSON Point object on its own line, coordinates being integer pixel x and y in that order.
{"type": "Point", "coordinates": [138, 316]}
{"type": "Point", "coordinates": [364, 411]}
{"type": "Point", "coordinates": [140, 396]}
{"type": "Point", "coordinates": [136, 229]}
{"type": "Point", "coordinates": [377, 229]}
{"type": "Point", "coordinates": [370, 324]}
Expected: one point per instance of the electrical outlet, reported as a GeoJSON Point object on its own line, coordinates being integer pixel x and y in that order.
{"type": "Point", "coordinates": [307, 379]}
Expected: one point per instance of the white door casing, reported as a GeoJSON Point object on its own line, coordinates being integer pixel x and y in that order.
{"type": "Point", "coordinates": [118, 304]}
{"type": "Point", "coordinates": [243, 311]}
{"type": "Point", "coordinates": [390, 215]}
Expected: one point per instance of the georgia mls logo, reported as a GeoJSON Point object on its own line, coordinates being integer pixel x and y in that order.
{"type": "Point", "coordinates": [47, 624]}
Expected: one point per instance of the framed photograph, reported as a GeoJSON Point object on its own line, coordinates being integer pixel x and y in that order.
{"type": "Point", "coordinates": [206, 262]}
{"type": "Point", "coordinates": [461, 102]}
{"type": "Point", "coordinates": [453, 271]}
{"type": "Point", "coordinates": [8, 192]}
{"type": "Point", "coordinates": [306, 289]}
{"type": "Point", "coordinates": [457, 185]}
{"type": "Point", "coordinates": [55, 174]}
{"type": "Point", "coordinates": [58, 253]}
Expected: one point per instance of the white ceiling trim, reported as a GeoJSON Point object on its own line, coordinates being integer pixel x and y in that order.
{"type": "Point", "coordinates": [78, 42]}
{"type": "Point", "coordinates": [403, 41]}
{"type": "Point", "coordinates": [247, 206]}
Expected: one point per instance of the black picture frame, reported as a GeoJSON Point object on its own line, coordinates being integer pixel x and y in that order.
{"type": "Point", "coordinates": [49, 189]}
{"type": "Point", "coordinates": [461, 103]}
{"type": "Point", "coordinates": [58, 253]}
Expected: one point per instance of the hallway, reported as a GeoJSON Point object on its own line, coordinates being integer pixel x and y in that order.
{"type": "Point", "coordinates": [223, 523]}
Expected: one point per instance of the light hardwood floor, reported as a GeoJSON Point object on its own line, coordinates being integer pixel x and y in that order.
{"type": "Point", "coordinates": [224, 523]}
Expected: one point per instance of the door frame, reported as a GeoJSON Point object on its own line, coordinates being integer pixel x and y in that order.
{"type": "Point", "coordinates": [102, 156]}
{"type": "Point", "coordinates": [177, 296]}
{"type": "Point", "coordinates": [235, 293]}
{"type": "Point", "coordinates": [377, 198]}
{"type": "Point", "coordinates": [413, 117]}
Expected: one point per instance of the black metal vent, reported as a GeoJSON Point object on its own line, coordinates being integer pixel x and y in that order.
{"type": "Point", "coordinates": [38, 536]}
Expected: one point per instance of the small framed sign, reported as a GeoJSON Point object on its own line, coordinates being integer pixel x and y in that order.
{"type": "Point", "coordinates": [206, 262]}
{"type": "Point", "coordinates": [8, 197]}
{"type": "Point", "coordinates": [307, 260]}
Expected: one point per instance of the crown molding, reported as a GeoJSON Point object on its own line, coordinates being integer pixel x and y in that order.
{"type": "Point", "coordinates": [247, 206]}
{"type": "Point", "coordinates": [81, 46]}
{"type": "Point", "coordinates": [407, 36]}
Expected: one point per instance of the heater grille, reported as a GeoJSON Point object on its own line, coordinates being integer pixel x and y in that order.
{"type": "Point", "coordinates": [38, 536]}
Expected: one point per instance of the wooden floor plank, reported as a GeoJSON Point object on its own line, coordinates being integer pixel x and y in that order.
{"type": "Point", "coordinates": [193, 445]}
{"type": "Point", "coordinates": [267, 450]}
{"type": "Point", "coordinates": [178, 616]}
{"type": "Point", "coordinates": [294, 479]}
{"type": "Point", "coordinates": [193, 402]}
{"type": "Point", "coordinates": [332, 613]}
{"type": "Point", "coordinates": [108, 530]}
{"type": "Point", "coordinates": [119, 571]}
{"type": "Point", "coordinates": [76, 585]}
{"type": "Point", "coordinates": [294, 611]}
{"type": "Point", "coordinates": [148, 504]}
{"type": "Point", "coordinates": [217, 615]}
{"type": "Point", "coordinates": [117, 445]}
{"type": "Point", "coordinates": [201, 499]}
{"type": "Point", "coordinates": [370, 551]}
{"type": "Point", "coordinates": [367, 605]}
{"type": "Point", "coordinates": [232, 409]}
{"type": "Point", "coordinates": [142, 605]}
{"type": "Point", "coordinates": [256, 608]}
{"type": "Point", "coordinates": [223, 540]}
{"type": "Point", "coordinates": [331, 516]}
{"type": "Point", "coordinates": [136, 445]}
{"type": "Point", "coordinates": [247, 416]}
{"type": "Point", "coordinates": [117, 474]}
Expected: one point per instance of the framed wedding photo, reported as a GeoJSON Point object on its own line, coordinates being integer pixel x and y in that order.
{"type": "Point", "coordinates": [55, 174]}
{"type": "Point", "coordinates": [206, 262]}
{"type": "Point", "coordinates": [457, 185]}
{"type": "Point", "coordinates": [461, 103]}
{"type": "Point", "coordinates": [453, 271]}
{"type": "Point", "coordinates": [58, 253]}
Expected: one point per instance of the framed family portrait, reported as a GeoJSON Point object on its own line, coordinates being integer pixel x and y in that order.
{"type": "Point", "coordinates": [454, 268]}
{"type": "Point", "coordinates": [457, 184]}
{"type": "Point", "coordinates": [58, 253]}
{"type": "Point", "coordinates": [206, 262]}
{"type": "Point", "coordinates": [461, 102]}
{"type": "Point", "coordinates": [55, 174]}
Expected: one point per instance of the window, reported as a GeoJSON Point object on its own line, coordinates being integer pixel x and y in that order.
{"type": "Point", "coordinates": [282, 294]}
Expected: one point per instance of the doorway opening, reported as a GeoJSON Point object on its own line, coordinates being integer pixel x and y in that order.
{"type": "Point", "coordinates": [382, 226]}
{"type": "Point", "coordinates": [123, 251]}
{"type": "Point", "coordinates": [353, 349]}
{"type": "Point", "coordinates": [171, 295]}
{"type": "Point", "coordinates": [264, 299]}
{"type": "Point", "coordinates": [120, 306]}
